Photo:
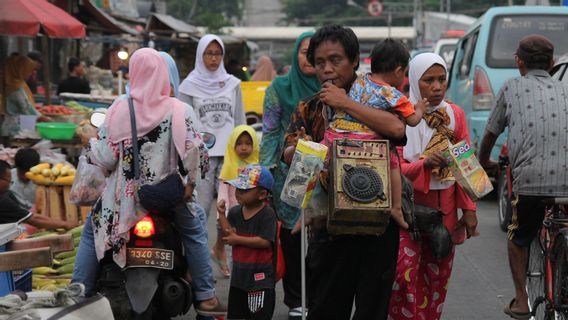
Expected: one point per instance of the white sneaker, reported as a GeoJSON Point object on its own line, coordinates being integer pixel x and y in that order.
{"type": "Point", "coordinates": [296, 313]}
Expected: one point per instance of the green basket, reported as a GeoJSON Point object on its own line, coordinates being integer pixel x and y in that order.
{"type": "Point", "coordinates": [56, 130]}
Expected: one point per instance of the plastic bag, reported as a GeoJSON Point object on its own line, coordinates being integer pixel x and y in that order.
{"type": "Point", "coordinates": [88, 184]}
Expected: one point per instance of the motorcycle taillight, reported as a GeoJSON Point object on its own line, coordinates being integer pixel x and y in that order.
{"type": "Point", "coordinates": [145, 227]}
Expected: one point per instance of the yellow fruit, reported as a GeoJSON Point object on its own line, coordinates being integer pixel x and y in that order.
{"type": "Point", "coordinates": [65, 180]}
{"type": "Point", "coordinates": [38, 168]}
{"type": "Point", "coordinates": [64, 171]}
{"type": "Point", "coordinates": [46, 172]}
{"type": "Point", "coordinates": [40, 179]}
{"type": "Point", "coordinates": [59, 166]}
{"type": "Point", "coordinates": [43, 270]}
{"type": "Point", "coordinates": [29, 175]}
{"type": "Point", "coordinates": [55, 172]}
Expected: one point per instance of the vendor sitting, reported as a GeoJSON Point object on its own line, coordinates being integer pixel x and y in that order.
{"type": "Point", "coordinates": [22, 187]}
{"type": "Point", "coordinates": [12, 211]}
{"type": "Point", "coordinates": [76, 82]}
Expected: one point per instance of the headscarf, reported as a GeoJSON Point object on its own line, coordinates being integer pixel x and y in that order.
{"type": "Point", "coordinates": [173, 72]}
{"type": "Point", "coordinates": [295, 86]}
{"type": "Point", "coordinates": [150, 92]}
{"type": "Point", "coordinates": [231, 162]}
{"type": "Point", "coordinates": [264, 70]}
{"type": "Point", "coordinates": [419, 137]}
{"type": "Point", "coordinates": [17, 70]}
{"type": "Point", "coordinates": [204, 83]}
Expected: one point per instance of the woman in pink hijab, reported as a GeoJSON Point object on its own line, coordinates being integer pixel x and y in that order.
{"type": "Point", "coordinates": [166, 138]}
{"type": "Point", "coordinates": [264, 70]}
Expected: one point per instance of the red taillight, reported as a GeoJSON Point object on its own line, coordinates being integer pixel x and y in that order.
{"type": "Point", "coordinates": [482, 93]}
{"type": "Point", "coordinates": [367, 60]}
{"type": "Point", "coordinates": [145, 227]}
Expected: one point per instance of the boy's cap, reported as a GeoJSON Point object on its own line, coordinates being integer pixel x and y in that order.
{"type": "Point", "coordinates": [535, 48]}
{"type": "Point", "coordinates": [253, 176]}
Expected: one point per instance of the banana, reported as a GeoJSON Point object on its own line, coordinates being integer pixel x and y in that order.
{"type": "Point", "coordinates": [49, 287]}
{"type": "Point", "coordinates": [65, 255]}
{"type": "Point", "coordinates": [70, 260]}
{"type": "Point", "coordinates": [66, 180]}
{"type": "Point", "coordinates": [68, 268]}
{"type": "Point", "coordinates": [38, 168]}
{"type": "Point", "coordinates": [76, 231]}
{"type": "Point", "coordinates": [43, 270]}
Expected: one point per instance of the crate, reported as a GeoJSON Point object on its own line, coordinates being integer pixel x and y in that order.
{"type": "Point", "coordinates": [23, 280]}
{"type": "Point", "coordinates": [6, 279]}
{"type": "Point", "coordinates": [53, 202]}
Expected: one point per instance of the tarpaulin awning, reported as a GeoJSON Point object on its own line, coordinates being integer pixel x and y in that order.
{"type": "Point", "coordinates": [29, 17]}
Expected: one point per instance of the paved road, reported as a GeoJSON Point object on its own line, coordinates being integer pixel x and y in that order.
{"type": "Point", "coordinates": [481, 282]}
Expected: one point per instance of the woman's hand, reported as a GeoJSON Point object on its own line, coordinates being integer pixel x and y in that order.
{"type": "Point", "coordinates": [289, 151]}
{"type": "Point", "coordinates": [188, 193]}
{"type": "Point", "coordinates": [435, 160]}
{"type": "Point", "coordinates": [469, 220]}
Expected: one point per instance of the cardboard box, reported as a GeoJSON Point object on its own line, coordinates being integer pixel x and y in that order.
{"type": "Point", "coordinates": [467, 170]}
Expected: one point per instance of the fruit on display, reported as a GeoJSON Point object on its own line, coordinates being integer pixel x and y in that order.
{"type": "Point", "coordinates": [77, 106]}
{"type": "Point", "coordinates": [57, 110]}
{"type": "Point", "coordinates": [45, 174]}
{"type": "Point", "coordinates": [59, 274]}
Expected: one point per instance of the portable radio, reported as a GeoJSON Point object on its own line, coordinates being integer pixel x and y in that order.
{"type": "Point", "coordinates": [359, 187]}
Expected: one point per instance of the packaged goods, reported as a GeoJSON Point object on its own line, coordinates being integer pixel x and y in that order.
{"type": "Point", "coordinates": [302, 176]}
{"type": "Point", "coordinates": [467, 170]}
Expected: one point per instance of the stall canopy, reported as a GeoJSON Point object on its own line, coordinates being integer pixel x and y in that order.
{"type": "Point", "coordinates": [32, 17]}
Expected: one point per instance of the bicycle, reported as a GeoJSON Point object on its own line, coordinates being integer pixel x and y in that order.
{"type": "Point", "coordinates": [547, 267]}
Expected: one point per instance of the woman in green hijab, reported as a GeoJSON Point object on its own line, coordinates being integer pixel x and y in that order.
{"type": "Point", "coordinates": [280, 101]}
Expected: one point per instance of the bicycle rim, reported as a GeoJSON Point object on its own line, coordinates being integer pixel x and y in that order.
{"type": "Point", "coordinates": [535, 279]}
{"type": "Point", "coordinates": [560, 280]}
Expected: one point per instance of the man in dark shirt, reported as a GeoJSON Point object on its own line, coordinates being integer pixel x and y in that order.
{"type": "Point", "coordinates": [76, 82]}
{"type": "Point", "coordinates": [12, 211]}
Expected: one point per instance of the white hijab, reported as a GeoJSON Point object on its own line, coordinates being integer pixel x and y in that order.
{"type": "Point", "coordinates": [204, 83]}
{"type": "Point", "coordinates": [419, 136]}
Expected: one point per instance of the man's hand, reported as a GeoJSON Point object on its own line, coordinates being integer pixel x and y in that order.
{"type": "Point", "coordinates": [435, 160]}
{"type": "Point", "coordinates": [333, 96]}
{"type": "Point", "coordinates": [469, 219]}
{"type": "Point", "coordinates": [188, 193]}
{"type": "Point", "coordinates": [231, 237]}
{"type": "Point", "coordinates": [491, 167]}
{"type": "Point", "coordinates": [289, 151]}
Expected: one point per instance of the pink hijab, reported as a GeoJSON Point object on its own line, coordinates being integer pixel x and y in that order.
{"type": "Point", "coordinates": [150, 92]}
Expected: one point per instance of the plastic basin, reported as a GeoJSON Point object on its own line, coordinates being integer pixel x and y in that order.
{"type": "Point", "coordinates": [56, 130]}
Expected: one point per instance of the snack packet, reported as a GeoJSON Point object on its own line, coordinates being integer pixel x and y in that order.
{"type": "Point", "coordinates": [467, 170]}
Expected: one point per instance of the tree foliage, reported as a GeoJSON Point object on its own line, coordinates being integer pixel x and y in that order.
{"type": "Point", "coordinates": [212, 14]}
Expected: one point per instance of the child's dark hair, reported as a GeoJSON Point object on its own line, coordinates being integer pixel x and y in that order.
{"type": "Point", "coordinates": [335, 33]}
{"type": "Point", "coordinates": [26, 158]}
{"type": "Point", "coordinates": [387, 55]}
{"type": "Point", "coordinates": [4, 166]}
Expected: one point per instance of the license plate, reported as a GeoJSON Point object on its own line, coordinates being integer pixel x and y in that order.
{"type": "Point", "coordinates": [150, 257]}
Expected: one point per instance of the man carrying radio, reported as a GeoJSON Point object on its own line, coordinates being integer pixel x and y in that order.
{"type": "Point", "coordinates": [534, 109]}
{"type": "Point", "coordinates": [347, 267]}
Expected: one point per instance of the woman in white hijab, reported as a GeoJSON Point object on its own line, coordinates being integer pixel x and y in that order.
{"type": "Point", "coordinates": [422, 280]}
{"type": "Point", "coordinates": [218, 102]}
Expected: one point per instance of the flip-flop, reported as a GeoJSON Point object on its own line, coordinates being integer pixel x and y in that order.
{"type": "Point", "coordinates": [516, 315]}
{"type": "Point", "coordinates": [221, 265]}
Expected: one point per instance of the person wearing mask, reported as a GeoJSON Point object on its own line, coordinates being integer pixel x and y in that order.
{"type": "Point", "coordinates": [165, 133]}
{"type": "Point", "coordinates": [533, 109]}
{"type": "Point", "coordinates": [76, 82]}
{"type": "Point", "coordinates": [422, 277]}
{"type": "Point", "coordinates": [280, 100]}
{"type": "Point", "coordinates": [343, 269]}
{"type": "Point", "coordinates": [22, 187]}
{"type": "Point", "coordinates": [12, 211]}
{"type": "Point", "coordinates": [217, 100]}
{"type": "Point", "coordinates": [264, 70]}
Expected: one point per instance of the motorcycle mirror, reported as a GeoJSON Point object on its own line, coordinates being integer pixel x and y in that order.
{"type": "Point", "coordinates": [97, 119]}
{"type": "Point", "coordinates": [209, 139]}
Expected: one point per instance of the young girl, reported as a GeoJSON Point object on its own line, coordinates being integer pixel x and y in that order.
{"type": "Point", "coordinates": [242, 150]}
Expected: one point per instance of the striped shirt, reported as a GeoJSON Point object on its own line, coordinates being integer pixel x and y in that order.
{"type": "Point", "coordinates": [535, 110]}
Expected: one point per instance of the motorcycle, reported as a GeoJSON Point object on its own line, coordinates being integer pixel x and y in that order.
{"type": "Point", "coordinates": [153, 284]}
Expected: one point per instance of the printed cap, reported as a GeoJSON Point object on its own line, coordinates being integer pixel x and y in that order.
{"type": "Point", "coordinates": [253, 176]}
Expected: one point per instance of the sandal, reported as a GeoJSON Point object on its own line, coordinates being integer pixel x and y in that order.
{"type": "Point", "coordinates": [516, 315]}
{"type": "Point", "coordinates": [222, 265]}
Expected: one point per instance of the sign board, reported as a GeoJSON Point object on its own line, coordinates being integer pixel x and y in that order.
{"type": "Point", "coordinates": [375, 8]}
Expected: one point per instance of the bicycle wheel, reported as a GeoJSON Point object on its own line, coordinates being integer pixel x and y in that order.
{"type": "Point", "coordinates": [535, 279]}
{"type": "Point", "coordinates": [560, 279]}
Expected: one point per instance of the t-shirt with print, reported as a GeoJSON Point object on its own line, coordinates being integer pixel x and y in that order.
{"type": "Point", "coordinates": [218, 115]}
{"type": "Point", "coordinates": [253, 269]}
{"type": "Point", "coordinates": [535, 110]}
{"type": "Point", "coordinates": [373, 94]}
